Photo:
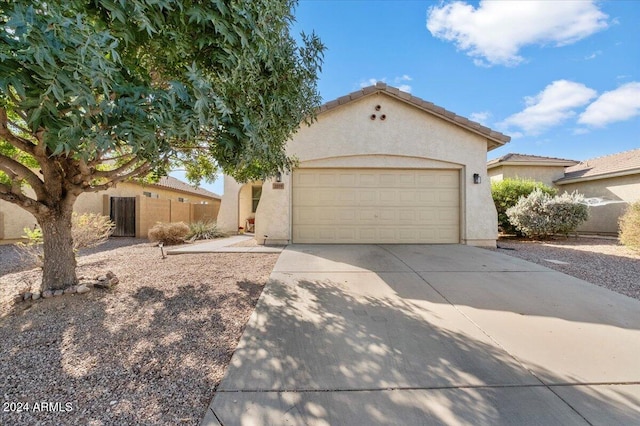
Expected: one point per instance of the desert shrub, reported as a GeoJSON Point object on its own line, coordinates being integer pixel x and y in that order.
{"type": "Point", "coordinates": [506, 194]}
{"type": "Point", "coordinates": [168, 233]}
{"type": "Point", "coordinates": [88, 230]}
{"type": "Point", "coordinates": [204, 230]}
{"type": "Point", "coordinates": [539, 214]}
{"type": "Point", "coordinates": [630, 226]}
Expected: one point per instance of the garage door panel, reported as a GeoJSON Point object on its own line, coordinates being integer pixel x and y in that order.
{"type": "Point", "coordinates": [375, 206]}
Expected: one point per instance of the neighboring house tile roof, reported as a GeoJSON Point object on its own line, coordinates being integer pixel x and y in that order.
{"type": "Point", "coordinates": [620, 164]}
{"type": "Point", "coordinates": [178, 185]}
{"type": "Point", "coordinates": [529, 160]}
{"type": "Point", "coordinates": [498, 139]}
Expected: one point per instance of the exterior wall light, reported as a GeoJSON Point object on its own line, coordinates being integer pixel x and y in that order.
{"type": "Point", "coordinates": [476, 178]}
{"type": "Point", "coordinates": [278, 177]}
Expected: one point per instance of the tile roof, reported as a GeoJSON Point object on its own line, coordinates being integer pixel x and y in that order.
{"type": "Point", "coordinates": [538, 160]}
{"type": "Point", "coordinates": [178, 185]}
{"type": "Point", "coordinates": [497, 138]}
{"type": "Point", "coordinates": [627, 162]}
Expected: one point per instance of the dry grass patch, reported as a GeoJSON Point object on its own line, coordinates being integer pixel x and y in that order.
{"type": "Point", "coordinates": [150, 351]}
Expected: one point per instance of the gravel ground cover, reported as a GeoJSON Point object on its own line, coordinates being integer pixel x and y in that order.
{"type": "Point", "coordinates": [149, 351]}
{"type": "Point", "coordinates": [603, 262]}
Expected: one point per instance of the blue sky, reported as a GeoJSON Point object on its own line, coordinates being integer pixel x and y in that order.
{"type": "Point", "coordinates": [562, 78]}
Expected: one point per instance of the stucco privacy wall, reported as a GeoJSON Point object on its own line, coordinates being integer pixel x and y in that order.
{"type": "Point", "coordinates": [604, 219]}
{"type": "Point", "coordinates": [408, 137]}
{"type": "Point", "coordinates": [14, 219]}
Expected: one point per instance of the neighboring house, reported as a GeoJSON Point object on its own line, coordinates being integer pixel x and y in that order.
{"type": "Point", "coordinates": [541, 169]}
{"type": "Point", "coordinates": [378, 166]}
{"type": "Point", "coordinates": [134, 207]}
{"type": "Point", "coordinates": [609, 183]}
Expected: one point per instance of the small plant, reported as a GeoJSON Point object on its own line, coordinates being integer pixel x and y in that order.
{"type": "Point", "coordinates": [168, 233]}
{"type": "Point", "coordinates": [204, 230]}
{"type": "Point", "coordinates": [630, 226]}
{"type": "Point", "coordinates": [88, 230]}
{"type": "Point", "coordinates": [540, 215]}
{"type": "Point", "coordinates": [506, 194]}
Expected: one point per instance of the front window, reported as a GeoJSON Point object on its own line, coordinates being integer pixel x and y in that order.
{"type": "Point", "coordinates": [256, 192]}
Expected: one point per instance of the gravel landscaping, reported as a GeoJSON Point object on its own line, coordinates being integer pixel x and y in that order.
{"type": "Point", "coordinates": [603, 262]}
{"type": "Point", "coordinates": [151, 350]}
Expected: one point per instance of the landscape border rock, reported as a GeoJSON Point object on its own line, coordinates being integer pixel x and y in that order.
{"type": "Point", "coordinates": [106, 282]}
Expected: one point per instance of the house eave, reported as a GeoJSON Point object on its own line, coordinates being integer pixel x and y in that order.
{"type": "Point", "coordinates": [566, 181]}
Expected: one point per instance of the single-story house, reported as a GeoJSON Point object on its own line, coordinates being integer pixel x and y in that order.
{"type": "Point", "coordinates": [134, 207]}
{"type": "Point", "coordinates": [378, 166]}
{"type": "Point", "coordinates": [541, 169]}
{"type": "Point", "coordinates": [609, 183]}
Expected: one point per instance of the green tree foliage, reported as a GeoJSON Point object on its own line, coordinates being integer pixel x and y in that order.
{"type": "Point", "coordinates": [506, 194]}
{"type": "Point", "coordinates": [630, 226]}
{"type": "Point", "coordinates": [94, 92]}
{"type": "Point", "coordinates": [540, 215]}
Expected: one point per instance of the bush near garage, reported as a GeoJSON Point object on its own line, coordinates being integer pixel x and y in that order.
{"type": "Point", "coordinates": [506, 194]}
{"type": "Point", "coordinates": [630, 226]}
{"type": "Point", "coordinates": [540, 215]}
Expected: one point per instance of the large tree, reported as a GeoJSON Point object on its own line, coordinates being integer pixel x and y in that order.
{"type": "Point", "coordinates": [93, 92]}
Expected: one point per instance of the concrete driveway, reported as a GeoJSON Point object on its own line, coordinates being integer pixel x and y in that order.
{"type": "Point", "coordinates": [427, 335]}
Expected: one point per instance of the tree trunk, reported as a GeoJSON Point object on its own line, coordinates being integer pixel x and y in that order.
{"type": "Point", "coordinates": [59, 270]}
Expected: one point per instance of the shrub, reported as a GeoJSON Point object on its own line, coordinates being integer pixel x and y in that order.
{"type": "Point", "coordinates": [630, 226]}
{"type": "Point", "coordinates": [539, 214]}
{"type": "Point", "coordinates": [506, 194]}
{"type": "Point", "coordinates": [204, 230]}
{"type": "Point", "coordinates": [169, 233]}
{"type": "Point", "coordinates": [88, 230]}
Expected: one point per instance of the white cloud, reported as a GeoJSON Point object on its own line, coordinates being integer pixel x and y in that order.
{"type": "Point", "coordinates": [550, 107]}
{"type": "Point", "coordinates": [620, 104]}
{"type": "Point", "coordinates": [495, 31]}
{"type": "Point", "coordinates": [593, 55]}
{"type": "Point", "coordinates": [480, 117]}
{"type": "Point", "coordinates": [396, 80]}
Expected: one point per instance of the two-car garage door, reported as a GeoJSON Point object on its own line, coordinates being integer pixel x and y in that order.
{"type": "Point", "coordinates": [376, 206]}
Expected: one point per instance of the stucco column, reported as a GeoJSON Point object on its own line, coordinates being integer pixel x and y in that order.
{"type": "Point", "coordinates": [273, 217]}
{"type": "Point", "coordinates": [228, 213]}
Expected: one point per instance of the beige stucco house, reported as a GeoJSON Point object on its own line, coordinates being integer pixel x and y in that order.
{"type": "Point", "coordinates": [609, 183]}
{"type": "Point", "coordinates": [541, 169]}
{"type": "Point", "coordinates": [140, 206]}
{"type": "Point", "coordinates": [378, 166]}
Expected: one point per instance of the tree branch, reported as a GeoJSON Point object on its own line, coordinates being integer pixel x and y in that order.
{"type": "Point", "coordinates": [20, 171]}
{"type": "Point", "coordinates": [109, 174]}
{"type": "Point", "coordinates": [32, 206]}
{"type": "Point", "coordinates": [144, 168]}
{"type": "Point", "coordinates": [18, 142]}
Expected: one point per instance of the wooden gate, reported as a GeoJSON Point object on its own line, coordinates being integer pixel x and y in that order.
{"type": "Point", "coordinates": [123, 214]}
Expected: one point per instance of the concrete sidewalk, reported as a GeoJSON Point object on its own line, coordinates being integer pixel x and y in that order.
{"type": "Point", "coordinates": [224, 245]}
{"type": "Point", "coordinates": [412, 335]}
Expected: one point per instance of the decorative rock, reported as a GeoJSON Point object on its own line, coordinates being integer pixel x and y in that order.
{"type": "Point", "coordinates": [27, 295]}
{"type": "Point", "coordinates": [58, 293]}
{"type": "Point", "coordinates": [82, 289]}
{"type": "Point", "coordinates": [110, 275]}
{"type": "Point", "coordinates": [36, 296]}
{"type": "Point", "coordinates": [47, 294]}
{"type": "Point", "coordinates": [18, 298]}
{"type": "Point", "coordinates": [114, 280]}
{"type": "Point", "coordinates": [101, 278]}
{"type": "Point", "coordinates": [70, 290]}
